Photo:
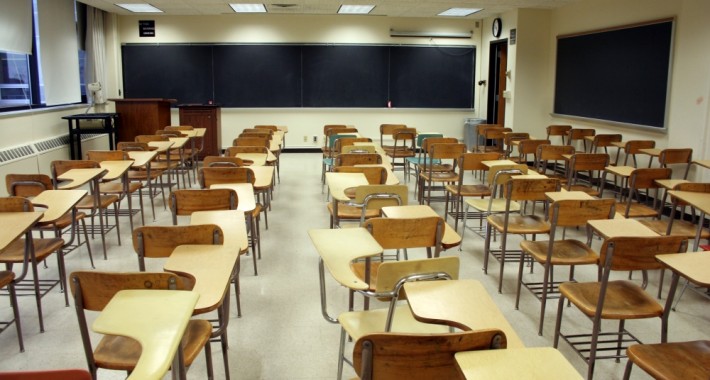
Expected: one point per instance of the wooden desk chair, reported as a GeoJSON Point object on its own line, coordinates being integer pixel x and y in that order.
{"type": "Point", "coordinates": [352, 159]}
{"type": "Point", "coordinates": [680, 360]}
{"type": "Point", "coordinates": [147, 174]}
{"type": "Point", "coordinates": [39, 250]}
{"type": "Point", "coordinates": [643, 179]}
{"type": "Point", "coordinates": [498, 176]}
{"type": "Point", "coordinates": [496, 135]}
{"type": "Point", "coordinates": [461, 189]}
{"type": "Point", "coordinates": [437, 174]}
{"type": "Point", "coordinates": [393, 356]}
{"type": "Point", "coordinates": [421, 158]}
{"type": "Point", "coordinates": [674, 158]}
{"type": "Point", "coordinates": [333, 151]}
{"type": "Point", "coordinates": [185, 202]}
{"type": "Point", "coordinates": [558, 252]}
{"type": "Point", "coordinates": [195, 149]}
{"type": "Point", "coordinates": [509, 138]}
{"type": "Point", "coordinates": [604, 141]}
{"type": "Point", "coordinates": [251, 141]}
{"type": "Point", "coordinates": [232, 151]}
{"type": "Point", "coordinates": [31, 185]}
{"type": "Point", "coordinates": [387, 287]}
{"type": "Point", "coordinates": [619, 300]}
{"type": "Point", "coordinates": [186, 154]}
{"type": "Point", "coordinates": [358, 149]}
{"type": "Point", "coordinates": [510, 222]}
{"type": "Point", "coordinates": [93, 290]}
{"type": "Point", "coordinates": [329, 130]}
{"type": "Point", "coordinates": [368, 203]}
{"type": "Point", "coordinates": [526, 148]}
{"type": "Point", "coordinates": [480, 135]}
{"type": "Point", "coordinates": [404, 140]}
{"type": "Point", "coordinates": [124, 189]}
{"type": "Point", "coordinates": [680, 226]}
{"type": "Point", "coordinates": [548, 156]}
{"type": "Point", "coordinates": [220, 175]}
{"type": "Point", "coordinates": [387, 132]}
{"type": "Point", "coordinates": [347, 143]}
{"type": "Point", "coordinates": [558, 130]}
{"type": "Point", "coordinates": [631, 149]}
{"type": "Point", "coordinates": [92, 201]}
{"type": "Point", "coordinates": [165, 162]}
{"type": "Point", "coordinates": [578, 134]}
{"type": "Point", "coordinates": [222, 161]}
{"type": "Point", "coordinates": [51, 374]}
{"type": "Point", "coordinates": [425, 159]}
{"type": "Point", "coordinates": [592, 163]}
{"type": "Point", "coordinates": [376, 175]}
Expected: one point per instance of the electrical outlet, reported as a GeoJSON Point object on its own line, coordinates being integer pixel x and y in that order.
{"type": "Point", "coordinates": [305, 139]}
{"type": "Point", "coordinates": [315, 139]}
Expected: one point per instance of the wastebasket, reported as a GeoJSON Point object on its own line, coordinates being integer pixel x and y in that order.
{"type": "Point", "coordinates": [470, 132]}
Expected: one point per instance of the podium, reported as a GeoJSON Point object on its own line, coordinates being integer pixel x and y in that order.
{"type": "Point", "coordinates": [142, 116]}
{"type": "Point", "coordinates": [206, 116]}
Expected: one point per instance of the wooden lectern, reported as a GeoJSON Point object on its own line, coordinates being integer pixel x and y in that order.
{"type": "Point", "coordinates": [142, 116]}
{"type": "Point", "coordinates": [206, 116]}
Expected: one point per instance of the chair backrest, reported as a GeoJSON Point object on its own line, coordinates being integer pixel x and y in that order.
{"type": "Point", "coordinates": [133, 146]}
{"type": "Point", "coordinates": [149, 138]}
{"type": "Point", "coordinates": [430, 141]}
{"type": "Point", "coordinates": [179, 128]}
{"type": "Point", "coordinates": [644, 178]}
{"type": "Point", "coordinates": [558, 130]}
{"type": "Point", "coordinates": [547, 152]}
{"type": "Point", "coordinates": [169, 133]}
{"type": "Point", "coordinates": [251, 141]}
{"type": "Point", "coordinates": [92, 290]}
{"type": "Point", "coordinates": [333, 138]}
{"type": "Point", "coordinates": [530, 189]}
{"type": "Point", "coordinates": [391, 273]}
{"type": "Point", "coordinates": [496, 133]}
{"type": "Point", "coordinates": [329, 127]}
{"type": "Point", "coordinates": [376, 175]}
{"type": "Point", "coordinates": [357, 148]}
{"type": "Point", "coordinates": [676, 156]}
{"type": "Point", "coordinates": [480, 128]}
{"type": "Point", "coordinates": [261, 134]}
{"type": "Point", "coordinates": [269, 127]}
{"type": "Point", "coordinates": [59, 167]}
{"type": "Point", "coordinates": [528, 147]}
{"type": "Point", "coordinates": [343, 142]}
{"type": "Point", "coordinates": [638, 253]}
{"type": "Point", "coordinates": [222, 161]}
{"type": "Point", "coordinates": [15, 204]}
{"type": "Point", "coordinates": [474, 161]}
{"type": "Point", "coordinates": [500, 174]}
{"type": "Point", "coordinates": [388, 130]}
{"type": "Point", "coordinates": [106, 155]}
{"type": "Point", "coordinates": [423, 136]}
{"type": "Point", "coordinates": [632, 148]}
{"type": "Point", "coordinates": [185, 202]}
{"type": "Point", "coordinates": [259, 131]}
{"type": "Point", "coordinates": [392, 356]}
{"type": "Point", "coordinates": [27, 185]}
{"type": "Point", "coordinates": [405, 136]}
{"type": "Point", "coordinates": [161, 241]}
{"type": "Point", "coordinates": [573, 212]}
{"type": "Point", "coordinates": [364, 195]}
{"type": "Point", "coordinates": [605, 140]}
{"type": "Point", "coordinates": [588, 161]}
{"type": "Point", "coordinates": [395, 233]}
{"type": "Point", "coordinates": [209, 176]}
{"type": "Point", "coordinates": [352, 159]}
{"type": "Point", "coordinates": [579, 133]}
{"type": "Point", "coordinates": [446, 151]}
{"type": "Point", "coordinates": [233, 150]}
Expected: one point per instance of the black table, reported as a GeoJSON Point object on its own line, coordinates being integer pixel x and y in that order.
{"type": "Point", "coordinates": [109, 124]}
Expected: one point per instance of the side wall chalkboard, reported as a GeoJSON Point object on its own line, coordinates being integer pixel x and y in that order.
{"type": "Point", "coordinates": [620, 75]}
{"type": "Point", "coordinates": [292, 75]}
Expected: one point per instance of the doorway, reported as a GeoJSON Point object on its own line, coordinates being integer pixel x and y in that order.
{"type": "Point", "coordinates": [497, 67]}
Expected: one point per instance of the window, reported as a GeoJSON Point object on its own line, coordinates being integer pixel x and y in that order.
{"type": "Point", "coordinates": [24, 81]}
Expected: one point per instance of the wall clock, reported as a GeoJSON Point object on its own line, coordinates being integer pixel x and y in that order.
{"type": "Point", "coordinates": [497, 27]}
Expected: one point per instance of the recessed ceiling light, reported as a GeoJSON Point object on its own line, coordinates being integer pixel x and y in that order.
{"type": "Point", "coordinates": [356, 9]}
{"type": "Point", "coordinates": [248, 8]}
{"type": "Point", "coordinates": [140, 8]}
{"type": "Point", "coordinates": [459, 12]}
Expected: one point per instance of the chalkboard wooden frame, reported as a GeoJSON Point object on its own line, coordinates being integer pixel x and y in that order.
{"type": "Point", "coordinates": [304, 75]}
{"type": "Point", "coordinates": [619, 75]}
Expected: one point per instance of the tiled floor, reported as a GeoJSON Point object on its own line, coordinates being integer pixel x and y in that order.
{"type": "Point", "coordinates": [282, 334]}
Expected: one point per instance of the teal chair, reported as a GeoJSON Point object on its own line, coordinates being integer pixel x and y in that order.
{"type": "Point", "coordinates": [421, 158]}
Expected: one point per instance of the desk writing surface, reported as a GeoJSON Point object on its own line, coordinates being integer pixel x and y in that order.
{"type": "Point", "coordinates": [698, 200]}
{"type": "Point", "coordinates": [57, 202]}
{"type": "Point", "coordinates": [450, 238]}
{"type": "Point", "coordinates": [492, 163]}
{"type": "Point", "coordinates": [619, 144]}
{"type": "Point", "coordinates": [257, 159]}
{"type": "Point", "coordinates": [210, 265]}
{"type": "Point", "coordinates": [263, 176]}
{"type": "Point", "coordinates": [516, 363]}
{"type": "Point", "coordinates": [115, 169]}
{"type": "Point", "coordinates": [653, 152]}
{"type": "Point", "coordinates": [338, 182]}
{"type": "Point", "coordinates": [703, 163]}
{"type": "Point", "coordinates": [155, 318]}
{"type": "Point", "coordinates": [141, 158]}
{"type": "Point", "coordinates": [179, 142]}
{"type": "Point", "coordinates": [245, 194]}
{"type": "Point", "coordinates": [464, 304]}
{"type": "Point", "coordinates": [691, 265]}
{"type": "Point", "coordinates": [621, 171]}
{"type": "Point", "coordinates": [339, 247]}
{"type": "Point", "coordinates": [14, 224]}
{"type": "Point", "coordinates": [609, 228]}
{"type": "Point", "coordinates": [161, 146]}
{"type": "Point", "coordinates": [230, 221]}
{"type": "Point", "coordinates": [555, 196]}
{"type": "Point", "coordinates": [79, 177]}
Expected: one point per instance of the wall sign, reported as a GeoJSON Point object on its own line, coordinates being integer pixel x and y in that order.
{"type": "Point", "coordinates": [146, 28]}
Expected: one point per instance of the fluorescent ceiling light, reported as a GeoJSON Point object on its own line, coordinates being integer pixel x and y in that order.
{"type": "Point", "coordinates": [140, 8]}
{"type": "Point", "coordinates": [459, 12]}
{"type": "Point", "coordinates": [248, 8]}
{"type": "Point", "coordinates": [356, 9]}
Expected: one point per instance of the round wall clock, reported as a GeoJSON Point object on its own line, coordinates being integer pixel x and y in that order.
{"type": "Point", "coordinates": [497, 27]}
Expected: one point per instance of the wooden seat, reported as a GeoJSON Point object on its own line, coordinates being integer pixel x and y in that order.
{"type": "Point", "coordinates": [616, 299]}
{"type": "Point", "coordinates": [403, 148]}
{"type": "Point", "coordinates": [558, 130]}
{"type": "Point", "coordinates": [437, 175]}
{"type": "Point", "coordinates": [680, 226]}
{"type": "Point", "coordinates": [548, 156]}
{"type": "Point", "coordinates": [642, 179]}
{"type": "Point", "coordinates": [394, 356]}
{"type": "Point", "coordinates": [31, 185]}
{"type": "Point", "coordinates": [387, 287]}
{"type": "Point", "coordinates": [368, 202]}
{"type": "Point", "coordinates": [376, 175]}
{"type": "Point", "coordinates": [124, 189]}
{"type": "Point", "coordinates": [92, 201]}
{"type": "Point", "coordinates": [591, 163]}
{"type": "Point", "coordinates": [670, 361]}
{"type": "Point", "coordinates": [557, 252]}
{"type": "Point", "coordinates": [462, 188]}
{"type": "Point", "coordinates": [512, 223]}
{"type": "Point", "coordinates": [93, 290]}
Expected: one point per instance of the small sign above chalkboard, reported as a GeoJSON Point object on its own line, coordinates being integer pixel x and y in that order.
{"type": "Point", "coordinates": [146, 28]}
